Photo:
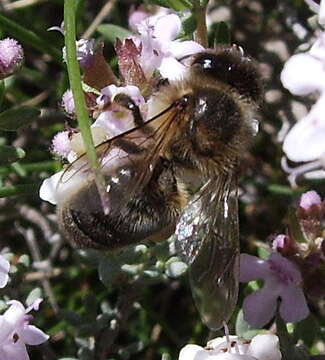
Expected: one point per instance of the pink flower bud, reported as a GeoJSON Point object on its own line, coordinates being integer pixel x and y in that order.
{"type": "Point", "coordinates": [68, 102]}
{"type": "Point", "coordinates": [61, 144]}
{"type": "Point", "coordinates": [11, 57]}
{"type": "Point", "coordinates": [309, 199]}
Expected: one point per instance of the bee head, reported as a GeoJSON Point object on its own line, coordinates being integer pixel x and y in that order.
{"type": "Point", "coordinates": [230, 66]}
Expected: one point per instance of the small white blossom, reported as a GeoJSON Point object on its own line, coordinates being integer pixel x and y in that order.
{"type": "Point", "coordinates": [261, 347]}
{"type": "Point", "coordinates": [4, 270]}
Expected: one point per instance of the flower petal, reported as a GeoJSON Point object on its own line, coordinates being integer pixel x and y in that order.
{"type": "Point", "coordinates": [32, 335]}
{"type": "Point", "coordinates": [4, 269]}
{"type": "Point", "coordinates": [260, 306]}
{"type": "Point", "coordinates": [193, 352]}
{"type": "Point", "coordinates": [293, 306]}
{"type": "Point", "coordinates": [48, 190]}
{"type": "Point", "coordinates": [265, 346]}
{"type": "Point", "coordinates": [303, 74]}
{"type": "Point", "coordinates": [184, 48]}
{"type": "Point", "coordinates": [167, 27]}
{"type": "Point", "coordinates": [172, 69]}
{"type": "Point", "coordinates": [14, 351]}
{"type": "Point", "coordinates": [305, 141]}
{"type": "Point", "coordinates": [252, 268]}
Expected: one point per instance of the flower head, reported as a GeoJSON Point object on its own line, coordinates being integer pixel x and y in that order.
{"type": "Point", "coordinates": [4, 270]}
{"type": "Point", "coordinates": [159, 49]}
{"type": "Point", "coordinates": [261, 347]}
{"type": "Point", "coordinates": [282, 280]}
{"type": "Point", "coordinates": [308, 199]}
{"type": "Point", "coordinates": [68, 102]}
{"type": "Point", "coordinates": [11, 57]}
{"type": "Point", "coordinates": [16, 331]}
{"type": "Point", "coordinates": [61, 144]}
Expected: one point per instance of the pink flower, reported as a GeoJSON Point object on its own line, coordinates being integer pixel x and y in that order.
{"type": "Point", "coordinates": [68, 102]}
{"type": "Point", "coordinates": [61, 144]}
{"type": "Point", "coordinates": [308, 199]}
{"type": "Point", "coordinates": [261, 347]}
{"type": "Point", "coordinates": [16, 331]}
{"type": "Point", "coordinates": [282, 279]}
{"type": "Point", "coordinates": [11, 57]}
{"type": "Point", "coordinates": [4, 270]}
{"type": "Point", "coordinates": [160, 50]}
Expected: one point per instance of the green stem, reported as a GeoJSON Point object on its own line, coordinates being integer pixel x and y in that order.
{"type": "Point", "coordinates": [19, 32]}
{"type": "Point", "coordinates": [79, 98]}
{"type": "Point", "coordinates": [201, 33]}
{"type": "Point", "coordinates": [26, 189]}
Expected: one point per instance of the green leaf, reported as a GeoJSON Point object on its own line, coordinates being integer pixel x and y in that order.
{"type": "Point", "coordinates": [178, 5]}
{"type": "Point", "coordinates": [25, 189]}
{"type": "Point", "coordinates": [17, 117]}
{"type": "Point", "coordinates": [243, 329]}
{"type": "Point", "coordinates": [108, 270]}
{"type": "Point", "coordinates": [307, 330]}
{"type": "Point", "coordinates": [33, 295]}
{"type": "Point", "coordinates": [27, 36]}
{"type": "Point", "coordinates": [294, 227]}
{"type": "Point", "coordinates": [112, 32]}
{"type": "Point", "coordinates": [222, 33]}
{"type": "Point", "coordinates": [189, 25]}
{"type": "Point", "coordinates": [10, 154]}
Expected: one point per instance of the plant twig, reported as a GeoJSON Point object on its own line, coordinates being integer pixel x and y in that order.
{"type": "Point", "coordinates": [104, 12]}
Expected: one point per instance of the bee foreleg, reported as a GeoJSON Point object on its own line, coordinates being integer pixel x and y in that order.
{"type": "Point", "coordinates": [126, 101]}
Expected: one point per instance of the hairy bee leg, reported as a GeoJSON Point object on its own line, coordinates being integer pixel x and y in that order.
{"type": "Point", "coordinates": [126, 101]}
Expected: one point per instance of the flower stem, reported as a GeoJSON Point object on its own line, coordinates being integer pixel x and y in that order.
{"type": "Point", "coordinates": [201, 33]}
{"type": "Point", "coordinates": [79, 98]}
{"type": "Point", "coordinates": [2, 91]}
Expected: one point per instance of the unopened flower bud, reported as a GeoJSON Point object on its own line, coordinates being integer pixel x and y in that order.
{"type": "Point", "coordinates": [68, 102]}
{"type": "Point", "coordinates": [309, 199]}
{"type": "Point", "coordinates": [11, 57]}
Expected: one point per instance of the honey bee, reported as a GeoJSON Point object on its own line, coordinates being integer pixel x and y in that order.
{"type": "Point", "coordinates": [198, 129]}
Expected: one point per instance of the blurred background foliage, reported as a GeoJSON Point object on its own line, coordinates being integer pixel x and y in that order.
{"type": "Point", "coordinates": [137, 304]}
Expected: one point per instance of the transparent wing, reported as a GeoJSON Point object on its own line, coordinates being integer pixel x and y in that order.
{"type": "Point", "coordinates": [127, 160]}
{"type": "Point", "coordinates": [207, 240]}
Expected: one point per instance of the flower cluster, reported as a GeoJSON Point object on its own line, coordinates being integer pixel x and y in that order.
{"type": "Point", "coordinates": [11, 57]}
{"type": "Point", "coordinates": [16, 330]}
{"type": "Point", "coordinates": [304, 74]}
{"type": "Point", "coordinates": [261, 347]}
{"type": "Point", "coordinates": [153, 50]}
{"type": "Point", "coordinates": [294, 268]}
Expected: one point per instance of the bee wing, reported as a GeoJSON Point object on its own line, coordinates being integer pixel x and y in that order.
{"type": "Point", "coordinates": [207, 239]}
{"type": "Point", "coordinates": [127, 160]}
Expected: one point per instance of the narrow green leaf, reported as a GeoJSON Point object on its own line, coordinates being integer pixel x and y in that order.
{"type": "Point", "coordinates": [27, 36]}
{"type": "Point", "coordinates": [178, 5]}
{"type": "Point", "coordinates": [222, 33]}
{"type": "Point", "coordinates": [294, 227]}
{"type": "Point", "coordinates": [189, 25]}
{"type": "Point", "coordinates": [112, 32]}
{"type": "Point", "coordinates": [10, 154]}
{"type": "Point", "coordinates": [26, 189]}
{"type": "Point", "coordinates": [17, 117]}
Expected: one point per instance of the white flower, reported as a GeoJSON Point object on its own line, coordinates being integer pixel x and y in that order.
{"type": "Point", "coordinates": [318, 8]}
{"type": "Point", "coordinates": [261, 347]}
{"type": "Point", "coordinates": [304, 74]}
{"type": "Point", "coordinates": [4, 269]}
{"type": "Point", "coordinates": [16, 331]}
{"type": "Point", "coordinates": [159, 49]}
